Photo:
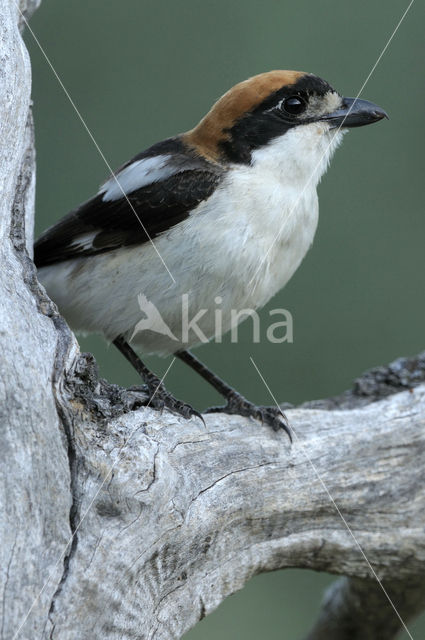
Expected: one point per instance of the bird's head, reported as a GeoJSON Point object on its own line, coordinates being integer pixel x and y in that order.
{"type": "Point", "coordinates": [298, 114]}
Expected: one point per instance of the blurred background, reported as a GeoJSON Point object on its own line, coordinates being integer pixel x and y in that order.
{"type": "Point", "coordinates": [142, 70]}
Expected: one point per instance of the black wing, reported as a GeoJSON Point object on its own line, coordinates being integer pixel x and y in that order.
{"type": "Point", "coordinates": [101, 225]}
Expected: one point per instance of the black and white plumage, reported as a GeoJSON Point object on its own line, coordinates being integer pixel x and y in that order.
{"type": "Point", "coordinates": [230, 206]}
{"type": "Point", "coordinates": [151, 193]}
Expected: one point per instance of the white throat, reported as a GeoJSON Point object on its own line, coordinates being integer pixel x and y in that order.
{"type": "Point", "coordinates": [301, 156]}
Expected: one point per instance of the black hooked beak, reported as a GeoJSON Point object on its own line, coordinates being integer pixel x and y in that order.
{"type": "Point", "coordinates": [355, 113]}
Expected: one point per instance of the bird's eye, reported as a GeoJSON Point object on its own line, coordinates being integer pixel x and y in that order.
{"type": "Point", "coordinates": [294, 105]}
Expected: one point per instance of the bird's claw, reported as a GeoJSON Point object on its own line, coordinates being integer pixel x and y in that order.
{"type": "Point", "coordinates": [160, 399]}
{"type": "Point", "coordinates": [238, 405]}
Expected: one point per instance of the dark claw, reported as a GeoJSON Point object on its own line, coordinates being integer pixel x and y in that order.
{"type": "Point", "coordinates": [238, 405]}
{"type": "Point", "coordinates": [157, 393]}
{"type": "Point", "coordinates": [274, 417]}
{"type": "Point", "coordinates": [160, 398]}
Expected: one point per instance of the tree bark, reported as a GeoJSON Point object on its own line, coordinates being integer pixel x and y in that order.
{"type": "Point", "coordinates": [120, 522]}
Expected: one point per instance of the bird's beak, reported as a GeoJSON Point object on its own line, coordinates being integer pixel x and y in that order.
{"type": "Point", "coordinates": [355, 113]}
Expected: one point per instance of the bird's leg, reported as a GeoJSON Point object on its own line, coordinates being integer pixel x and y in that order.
{"type": "Point", "coordinates": [159, 397]}
{"type": "Point", "coordinates": [235, 402]}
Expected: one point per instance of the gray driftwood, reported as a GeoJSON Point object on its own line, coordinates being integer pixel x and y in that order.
{"type": "Point", "coordinates": [118, 522]}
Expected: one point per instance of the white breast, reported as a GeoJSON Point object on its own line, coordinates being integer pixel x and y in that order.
{"type": "Point", "coordinates": [272, 227]}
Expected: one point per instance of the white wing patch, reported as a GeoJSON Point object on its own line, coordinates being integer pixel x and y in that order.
{"type": "Point", "coordinates": [137, 175]}
{"type": "Point", "coordinates": [84, 241]}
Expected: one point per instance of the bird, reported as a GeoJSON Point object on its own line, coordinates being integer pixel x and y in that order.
{"type": "Point", "coordinates": [224, 212]}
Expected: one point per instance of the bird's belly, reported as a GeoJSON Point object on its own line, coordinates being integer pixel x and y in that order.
{"type": "Point", "coordinates": [227, 261]}
{"type": "Point", "coordinates": [284, 242]}
{"type": "Point", "coordinates": [249, 253]}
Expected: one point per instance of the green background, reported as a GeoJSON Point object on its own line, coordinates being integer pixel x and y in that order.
{"type": "Point", "coordinates": [140, 71]}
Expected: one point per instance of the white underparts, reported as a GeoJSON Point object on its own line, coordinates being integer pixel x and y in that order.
{"type": "Point", "coordinates": [242, 244]}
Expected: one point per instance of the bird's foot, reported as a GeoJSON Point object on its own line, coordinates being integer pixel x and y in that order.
{"type": "Point", "coordinates": [238, 405]}
{"type": "Point", "coordinates": [160, 399]}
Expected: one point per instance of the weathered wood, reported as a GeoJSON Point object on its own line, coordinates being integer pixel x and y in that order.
{"type": "Point", "coordinates": [119, 522]}
{"type": "Point", "coordinates": [34, 492]}
{"type": "Point", "coordinates": [189, 514]}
